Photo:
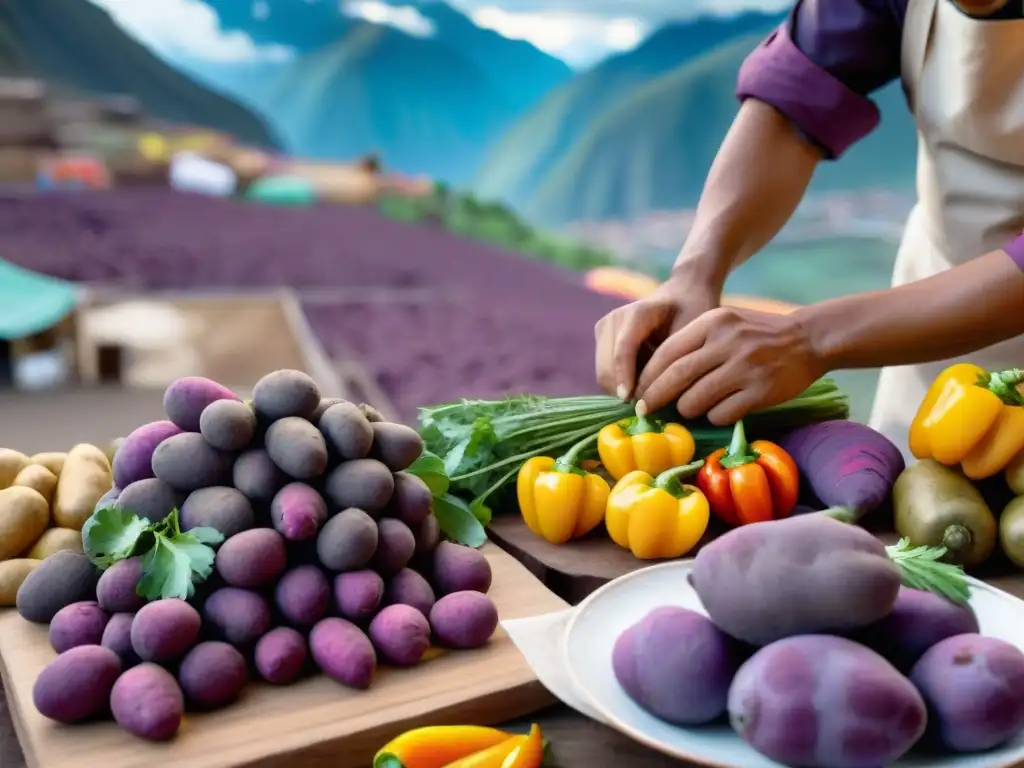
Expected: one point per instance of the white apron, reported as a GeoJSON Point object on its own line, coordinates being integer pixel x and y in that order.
{"type": "Point", "coordinates": [965, 83]}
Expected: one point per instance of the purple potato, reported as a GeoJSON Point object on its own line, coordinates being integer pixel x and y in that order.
{"type": "Point", "coordinates": [297, 448]}
{"type": "Point", "coordinates": [281, 655]}
{"type": "Point", "coordinates": [151, 499]}
{"type": "Point", "coordinates": [117, 636]}
{"type": "Point", "coordinates": [325, 403]}
{"type": "Point", "coordinates": [77, 624]}
{"type": "Point", "coordinates": [285, 393]}
{"type": "Point", "coordinates": [396, 445]}
{"type": "Point", "coordinates": [303, 595]}
{"type": "Point", "coordinates": [108, 499]}
{"type": "Point", "coordinates": [973, 687]}
{"type": "Point", "coordinates": [395, 546]}
{"type": "Point", "coordinates": [298, 512]}
{"type": "Point", "coordinates": [810, 574]}
{"type": "Point", "coordinates": [401, 634]}
{"type": "Point", "coordinates": [212, 675]}
{"type": "Point", "coordinates": [677, 665]}
{"type": "Point", "coordinates": [238, 616]}
{"type": "Point", "coordinates": [411, 501]}
{"type": "Point", "coordinates": [187, 398]}
{"type": "Point", "coordinates": [116, 591]}
{"type": "Point", "coordinates": [343, 652]}
{"type": "Point", "coordinates": [164, 630]}
{"type": "Point", "coordinates": [186, 462]}
{"type": "Point", "coordinates": [457, 568]}
{"type": "Point", "coordinates": [464, 619]}
{"type": "Point", "coordinates": [228, 425]}
{"type": "Point", "coordinates": [814, 700]}
{"type": "Point", "coordinates": [220, 507]}
{"type": "Point", "coordinates": [257, 476]}
{"type": "Point", "coordinates": [76, 685]}
{"type": "Point", "coordinates": [407, 587]}
{"type": "Point", "coordinates": [918, 621]}
{"type": "Point", "coordinates": [361, 483]}
{"type": "Point", "coordinates": [428, 535]}
{"type": "Point", "coordinates": [348, 432]}
{"type": "Point", "coordinates": [147, 702]}
{"type": "Point", "coordinates": [348, 541]}
{"type": "Point", "coordinates": [358, 594]}
{"type": "Point", "coordinates": [252, 558]}
{"type": "Point", "coordinates": [65, 577]}
{"type": "Point", "coordinates": [133, 460]}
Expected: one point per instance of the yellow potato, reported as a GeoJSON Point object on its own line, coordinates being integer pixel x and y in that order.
{"type": "Point", "coordinates": [113, 448]}
{"type": "Point", "coordinates": [85, 477]}
{"type": "Point", "coordinates": [11, 463]}
{"type": "Point", "coordinates": [39, 478]}
{"type": "Point", "coordinates": [24, 515]}
{"type": "Point", "coordinates": [55, 540]}
{"type": "Point", "coordinates": [52, 460]}
{"type": "Point", "coordinates": [12, 573]}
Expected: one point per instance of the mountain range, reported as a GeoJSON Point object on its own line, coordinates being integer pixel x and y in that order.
{"type": "Point", "coordinates": [76, 47]}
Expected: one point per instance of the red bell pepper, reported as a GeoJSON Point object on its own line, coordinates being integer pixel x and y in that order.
{"type": "Point", "coordinates": [749, 482]}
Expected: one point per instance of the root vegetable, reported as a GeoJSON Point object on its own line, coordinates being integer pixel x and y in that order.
{"type": "Point", "coordinates": [257, 476]}
{"type": "Point", "coordinates": [239, 616]}
{"type": "Point", "coordinates": [38, 478]}
{"type": "Point", "coordinates": [457, 568]}
{"type": "Point", "coordinates": [343, 652]}
{"type": "Point", "coordinates": [116, 590]}
{"type": "Point", "coordinates": [297, 448]}
{"type": "Point", "coordinates": [281, 655]}
{"type": "Point", "coordinates": [408, 587]}
{"type": "Point", "coordinates": [165, 630]}
{"type": "Point", "coordinates": [428, 534]}
{"type": "Point", "coordinates": [220, 507]}
{"type": "Point", "coordinates": [11, 464]}
{"type": "Point", "coordinates": [228, 425]}
{"type": "Point", "coordinates": [212, 675]}
{"type": "Point", "coordinates": [187, 398]}
{"type": "Point", "coordinates": [298, 512]}
{"type": "Point", "coordinates": [303, 595]}
{"type": "Point", "coordinates": [401, 634]}
{"type": "Point", "coordinates": [117, 636]}
{"type": "Point", "coordinates": [134, 459]}
{"type": "Point", "coordinates": [252, 558]}
{"type": "Point", "coordinates": [147, 702]}
{"type": "Point", "coordinates": [1011, 531]}
{"type": "Point", "coordinates": [348, 541]}
{"type": "Point", "coordinates": [395, 546]}
{"type": "Point", "coordinates": [55, 540]}
{"type": "Point", "coordinates": [464, 619]}
{"type": "Point", "coordinates": [151, 499]}
{"type": "Point", "coordinates": [186, 462]}
{"type": "Point", "coordinates": [76, 685]}
{"type": "Point", "coordinates": [285, 393]}
{"type": "Point", "coordinates": [363, 483]}
{"type": "Point", "coordinates": [396, 445]}
{"type": "Point", "coordinates": [12, 575]}
{"type": "Point", "coordinates": [358, 594]}
{"type": "Point", "coordinates": [52, 460]}
{"type": "Point", "coordinates": [24, 515]}
{"type": "Point", "coordinates": [86, 476]}
{"type": "Point", "coordinates": [348, 432]}
{"type": "Point", "coordinates": [77, 624]}
{"type": "Point", "coordinates": [61, 579]}
{"type": "Point", "coordinates": [411, 501]}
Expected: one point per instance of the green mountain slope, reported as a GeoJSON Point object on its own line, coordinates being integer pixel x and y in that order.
{"type": "Point", "coordinates": [421, 106]}
{"type": "Point", "coordinates": [522, 157]}
{"type": "Point", "coordinates": [75, 45]}
{"type": "Point", "coordinates": [652, 149]}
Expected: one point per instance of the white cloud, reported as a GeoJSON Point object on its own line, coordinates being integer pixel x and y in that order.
{"type": "Point", "coordinates": [404, 17]}
{"type": "Point", "coordinates": [188, 28]}
{"type": "Point", "coordinates": [575, 37]}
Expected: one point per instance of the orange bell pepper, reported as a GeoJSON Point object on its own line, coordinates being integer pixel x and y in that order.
{"type": "Point", "coordinates": [749, 483]}
{"type": "Point", "coordinates": [972, 418]}
{"type": "Point", "coordinates": [437, 746]}
{"type": "Point", "coordinates": [645, 444]}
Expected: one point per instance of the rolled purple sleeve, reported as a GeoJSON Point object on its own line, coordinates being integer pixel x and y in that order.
{"type": "Point", "coordinates": [1016, 251]}
{"type": "Point", "coordinates": [819, 67]}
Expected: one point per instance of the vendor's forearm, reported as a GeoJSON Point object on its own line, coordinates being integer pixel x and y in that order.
{"type": "Point", "coordinates": [954, 313]}
{"type": "Point", "coordinates": [756, 182]}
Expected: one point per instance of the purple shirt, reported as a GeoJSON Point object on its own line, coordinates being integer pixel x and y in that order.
{"type": "Point", "coordinates": [821, 65]}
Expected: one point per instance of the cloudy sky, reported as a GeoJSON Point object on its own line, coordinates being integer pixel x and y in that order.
{"type": "Point", "coordinates": [578, 31]}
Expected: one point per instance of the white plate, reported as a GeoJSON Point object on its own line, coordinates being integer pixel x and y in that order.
{"type": "Point", "coordinates": [602, 617]}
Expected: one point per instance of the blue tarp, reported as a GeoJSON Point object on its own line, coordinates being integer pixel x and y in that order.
{"type": "Point", "coordinates": [31, 303]}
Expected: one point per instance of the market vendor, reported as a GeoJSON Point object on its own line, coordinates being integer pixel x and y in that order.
{"type": "Point", "coordinates": [958, 284]}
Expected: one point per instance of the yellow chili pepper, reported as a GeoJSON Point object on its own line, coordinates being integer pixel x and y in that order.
{"type": "Point", "coordinates": [643, 443]}
{"type": "Point", "coordinates": [657, 517]}
{"type": "Point", "coordinates": [558, 500]}
{"type": "Point", "coordinates": [437, 746]}
{"type": "Point", "coordinates": [972, 418]}
{"type": "Point", "coordinates": [525, 751]}
{"type": "Point", "coordinates": [529, 754]}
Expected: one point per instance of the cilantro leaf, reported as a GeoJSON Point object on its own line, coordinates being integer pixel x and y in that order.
{"type": "Point", "coordinates": [206, 535]}
{"type": "Point", "coordinates": [111, 534]}
{"type": "Point", "coordinates": [171, 568]}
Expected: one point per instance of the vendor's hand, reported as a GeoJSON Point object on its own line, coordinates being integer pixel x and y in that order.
{"type": "Point", "coordinates": [727, 363]}
{"type": "Point", "coordinates": [625, 334]}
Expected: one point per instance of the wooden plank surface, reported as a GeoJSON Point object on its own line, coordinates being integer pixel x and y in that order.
{"type": "Point", "coordinates": [314, 723]}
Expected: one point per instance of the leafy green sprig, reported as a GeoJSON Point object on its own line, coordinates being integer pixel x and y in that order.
{"type": "Point", "coordinates": [922, 568]}
{"type": "Point", "coordinates": [173, 561]}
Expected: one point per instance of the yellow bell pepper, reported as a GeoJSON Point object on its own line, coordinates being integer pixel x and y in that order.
{"type": "Point", "coordinates": [657, 517]}
{"type": "Point", "coordinates": [643, 443]}
{"type": "Point", "coordinates": [972, 418]}
{"type": "Point", "coordinates": [437, 745]}
{"type": "Point", "coordinates": [558, 500]}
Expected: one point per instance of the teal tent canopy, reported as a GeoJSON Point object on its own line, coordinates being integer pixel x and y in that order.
{"type": "Point", "coordinates": [282, 190]}
{"type": "Point", "coordinates": [31, 303]}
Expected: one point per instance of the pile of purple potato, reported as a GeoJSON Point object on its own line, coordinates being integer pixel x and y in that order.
{"type": "Point", "coordinates": [819, 657]}
{"type": "Point", "coordinates": [332, 560]}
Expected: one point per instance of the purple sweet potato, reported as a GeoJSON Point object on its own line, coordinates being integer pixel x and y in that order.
{"type": "Point", "coordinates": [133, 460]}
{"type": "Point", "coordinates": [411, 502]}
{"type": "Point", "coordinates": [117, 636]}
{"type": "Point", "coordinates": [361, 483]}
{"type": "Point", "coordinates": [677, 665]}
{"type": "Point", "coordinates": [187, 462]}
{"type": "Point", "coordinates": [395, 546]}
{"type": "Point", "coordinates": [281, 655]}
{"type": "Point", "coordinates": [343, 652]}
{"type": "Point", "coordinates": [151, 499]}
{"type": "Point", "coordinates": [116, 591]}
{"type": "Point", "coordinates": [297, 448]}
{"type": "Point", "coordinates": [848, 466]}
{"type": "Point", "coordinates": [408, 587]}
{"type": "Point", "coordinates": [401, 634]}
{"type": "Point", "coordinates": [358, 594]}
{"type": "Point", "coordinates": [76, 685]}
{"type": "Point", "coordinates": [396, 445]}
{"type": "Point", "coordinates": [457, 568]}
{"type": "Point", "coordinates": [239, 616]}
{"type": "Point", "coordinates": [348, 541]}
{"type": "Point", "coordinates": [147, 702]}
{"type": "Point", "coordinates": [212, 675]}
{"type": "Point", "coordinates": [303, 595]}
{"type": "Point", "coordinates": [285, 393]}
{"type": "Point", "coordinates": [252, 558]}
{"type": "Point", "coordinates": [257, 476]}
{"type": "Point", "coordinates": [464, 619]}
{"type": "Point", "coordinates": [77, 624]}
{"type": "Point", "coordinates": [815, 700]}
{"type": "Point", "coordinates": [220, 507]}
{"type": "Point", "coordinates": [187, 398]}
{"type": "Point", "coordinates": [810, 574]}
{"type": "Point", "coordinates": [347, 431]}
{"type": "Point", "coordinates": [228, 425]}
{"type": "Point", "coordinates": [298, 512]}
{"type": "Point", "coordinates": [165, 630]}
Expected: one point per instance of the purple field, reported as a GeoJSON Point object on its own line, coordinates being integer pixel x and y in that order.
{"type": "Point", "coordinates": [483, 323]}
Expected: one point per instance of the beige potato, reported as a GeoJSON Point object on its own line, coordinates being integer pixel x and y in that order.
{"type": "Point", "coordinates": [113, 448]}
{"type": "Point", "coordinates": [52, 460]}
{"type": "Point", "coordinates": [55, 540]}
{"type": "Point", "coordinates": [39, 478]}
{"type": "Point", "coordinates": [12, 573]}
{"type": "Point", "coordinates": [24, 515]}
{"type": "Point", "coordinates": [85, 477]}
{"type": "Point", "coordinates": [11, 463]}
